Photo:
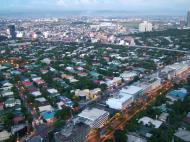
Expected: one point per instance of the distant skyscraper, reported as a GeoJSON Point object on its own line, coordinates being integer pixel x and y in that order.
{"type": "Point", "coordinates": [145, 27]}
{"type": "Point", "coordinates": [188, 18]}
{"type": "Point", "coordinates": [12, 31]}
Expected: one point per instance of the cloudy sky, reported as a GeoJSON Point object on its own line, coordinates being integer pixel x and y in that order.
{"type": "Point", "coordinates": [128, 5]}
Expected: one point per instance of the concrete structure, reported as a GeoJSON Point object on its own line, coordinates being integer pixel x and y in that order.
{"type": "Point", "coordinates": [163, 117]}
{"type": "Point", "coordinates": [95, 118]}
{"type": "Point", "coordinates": [88, 94]}
{"type": "Point", "coordinates": [45, 108]}
{"type": "Point", "coordinates": [116, 81]}
{"type": "Point", "coordinates": [134, 137]}
{"type": "Point", "coordinates": [128, 76]}
{"type": "Point", "coordinates": [148, 121]}
{"type": "Point", "coordinates": [145, 27]}
{"type": "Point", "coordinates": [120, 102]}
{"type": "Point", "coordinates": [171, 71]}
{"type": "Point", "coordinates": [36, 139]}
{"type": "Point", "coordinates": [125, 97]}
{"type": "Point", "coordinates": [182, 136]}
{"type": "Point", "coordinates": [72, 133]}
{"type": "Point", "coordinates": [134, 91]}
{"type": "Point", "coordinates": [4, 135]}
{"type": "Point", "coordinates": [12, 31]}
{"type": "Point", "coordinates": [188, 18]}
{"type": "Point", "coordinates": [179, 67]}
{"type": "Point", "coordinates": [149, 84]}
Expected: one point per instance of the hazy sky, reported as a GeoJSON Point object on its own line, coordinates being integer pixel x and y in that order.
{"type": "Point", "coordinates": [128, 5]}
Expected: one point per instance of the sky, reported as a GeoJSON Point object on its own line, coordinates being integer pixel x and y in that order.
{"type": "Point", "coordinates": [115, 5]}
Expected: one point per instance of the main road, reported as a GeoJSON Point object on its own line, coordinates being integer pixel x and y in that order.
{"type": "Point", "coordinates": [158, 48]}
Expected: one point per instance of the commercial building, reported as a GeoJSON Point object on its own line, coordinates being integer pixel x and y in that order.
{"type": "Point", "coordinates": [145, 27]}
{"type": "Point", "coordinates": [179, 67]}
{"type": "Point", "coordinates": [172, 70]}
{"type": "Point", "coordinates": [149, 84]}
{"type": "Point", "coordinates": [125, 97]}
{"type": "Point", "coordinates": [12, 31]}
{"type": "Point", "coordinates": [188, 18]}
{"type": "Point", "coordinates": [72, 133]}
{"type": "Point", "coordinates": [134, 91]}
{"type": "Point", "coordinates": [120, 101]}
{"type": "Point", "coordinates": [95, 118]}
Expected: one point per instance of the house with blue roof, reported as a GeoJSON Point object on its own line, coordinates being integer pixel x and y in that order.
{"type": "Point", "coordinates": [176, 95]}
{"type": "Point", "coordinates": [48, 116]}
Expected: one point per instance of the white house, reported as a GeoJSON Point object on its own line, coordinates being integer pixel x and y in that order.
{"type": "Point", "coordinates": [148, 121]}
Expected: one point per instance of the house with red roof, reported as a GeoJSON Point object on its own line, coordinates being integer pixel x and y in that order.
{"type": "Point", "coordinates": [27, 83]}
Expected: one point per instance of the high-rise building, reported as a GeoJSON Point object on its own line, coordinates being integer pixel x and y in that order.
{"type": "Point", "coordinates": [188, 18]}
{"type": "Point", "coordinates": [12, 31]}
{"type": "Point", "coordinates": [145, 27]}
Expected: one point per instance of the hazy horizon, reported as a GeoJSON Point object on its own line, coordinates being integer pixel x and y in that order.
{"type": "Point", "coordinates": [157, 6]}
{"type": "Point", "coordinates": [122, 8]}
{"type": "Point", "coordinates": [102, 13]}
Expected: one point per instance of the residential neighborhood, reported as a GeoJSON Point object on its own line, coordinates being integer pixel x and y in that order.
{"type": "Point", "coordinates": [95, 79]}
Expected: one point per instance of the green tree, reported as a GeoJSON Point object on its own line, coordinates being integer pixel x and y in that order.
{"type": "Point", "coordinates": [120, 136]}
{"type": "Point", "coordinates": [64, 114]}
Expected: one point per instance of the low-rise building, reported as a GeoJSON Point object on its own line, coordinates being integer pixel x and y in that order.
{"type": "Point", "coordinates": [171, 71]}
{"type": "Point", "coordinates": [4, 135]}
{"type": "Point", "coordinates": [94, 117]}
{"type": "Point", "coordinates": [182, 136]}
{"type": "Point", "coordinates": [88, 94]}
{"type": "Point", "coordinates": [116, 81]}
{"type": "Point", "coordinates": [134, 91]}
{"type": "Point", "coordinates": [125, 97]}
{"type": "Point", "coordinates": [176, 95]}
{"type": "Point", "coordinates": [149, 121]}
{"type": "Point", "coordinates": [133, 137]}
{"type": "Point", "coordinates": [36, 139]}
{"type": "Point", "coordinates": [11, 102]}
{"type": "Point", "coordinates": [149, 84]}
{"type": "Point", "coordinates": [45, 108]}
{"type": "Point", "coordinates": [128, 76]}
{"type": "Point", "coordinates": [120, 102]}
{"type": "Point", "coordinates": [72, 133]}
{"type": "Point", "coordinates": [163, 117]}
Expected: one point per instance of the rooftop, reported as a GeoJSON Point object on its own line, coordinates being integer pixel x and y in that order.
{"type": "Point", "coordinates": [132, 90]}
{"type": "Point", "coordinates": [92, 114]}
{"type": "Point", "coordinates": [183, 135]}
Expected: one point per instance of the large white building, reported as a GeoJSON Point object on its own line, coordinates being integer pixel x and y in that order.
{"type": "Point", "coordinates": [125, 97]}
{"type": "Point", "coordinates": [94, 117]}
{"type": "Point", "coordinates": [120, 101]}
{"type": "Point", "coordinates": [145, 27]}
